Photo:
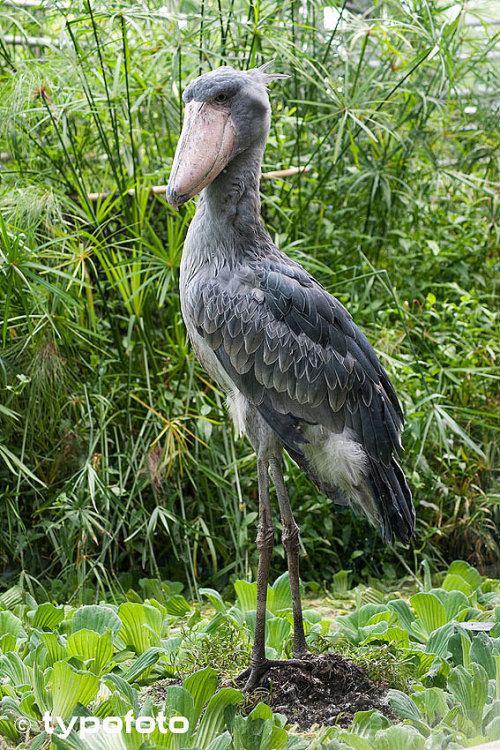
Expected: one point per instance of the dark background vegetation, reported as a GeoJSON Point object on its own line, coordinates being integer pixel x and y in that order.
{"type": "Point", "coordinates": [117, 458]}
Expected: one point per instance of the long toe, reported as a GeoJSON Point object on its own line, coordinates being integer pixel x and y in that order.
{"type": "Point", "coordinates": [254, 673]}
{"type": "Point", "coordinates": [253, 680]}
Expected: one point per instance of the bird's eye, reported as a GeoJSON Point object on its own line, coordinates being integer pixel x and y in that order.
{"type": "Point", "coordinates": [221, 98]}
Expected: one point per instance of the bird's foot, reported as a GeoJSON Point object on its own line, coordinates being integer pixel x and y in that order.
{"type": "Point", "coordinates": [254, 673]}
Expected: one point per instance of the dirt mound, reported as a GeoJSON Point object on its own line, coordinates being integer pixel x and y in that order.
{"type": "Point", "coordinates": [329, 690]}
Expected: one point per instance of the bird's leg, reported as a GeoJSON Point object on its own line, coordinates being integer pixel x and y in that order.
{"type": "Point", "coordinates": [290, 538]}
{"type": "Point", "coordinates": [259, 664]}
{"type": "Point", "coordinates": [265, 540]}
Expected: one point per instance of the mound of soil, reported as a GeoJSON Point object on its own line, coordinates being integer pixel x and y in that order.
{"type": "Point", "coordinates": [328, 690]}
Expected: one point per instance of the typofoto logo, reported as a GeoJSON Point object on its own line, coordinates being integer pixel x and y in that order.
{"type": "Point", "coordinates": [88, 725]}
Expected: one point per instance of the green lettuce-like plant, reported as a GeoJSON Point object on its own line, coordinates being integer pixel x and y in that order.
{"type": "Point", "coordinates": [211, 717]}
{"type": "Point", "coordinates": [260, 730]}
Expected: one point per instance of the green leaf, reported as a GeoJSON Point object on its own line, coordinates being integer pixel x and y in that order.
{"type": "Point", "coordinates": [457, 583]}
{"type": "Point", "coordinates": [179, 702]}
{"type": "Point", "coordinates": [439, 640]}
{"type": "Point", "coordinates": [481, 652]}
{"type": "Point", "coordinates": [11, 629]}
{"type": "Point", "coordinates": [171, 645]}
{"type": "Point", "coordinates": [277, 629]}
{"type": "Point", "coordinates": [403, 611]}
{"type": "Point", "coordinates": [465, 643]}
{"type": "Point", "coordinates": [96, 617]}
{"type": "Point", "coordinates": [470, 693]}
{"type": "Point", "coordinates": [141, 625]}
{"type": "Point", "coordinates": [213, 718]}
{"type": "Point", "coordinates": [404, 706]}
{"type": "Point", "coordinates": [371, 614]}
{"type": "Point", "coordinates": [222, 742]}
{"type": "Point", "coordinates": [251, 733]}
{"type": "Point", "coordinates": [251, 618]}
{"type": "Point", "coordinates": [341, 581]}
{"type": "Point", "coordinates": [71, 686]}
{"type": "Point", "coordinates": [367, 723]}
{"type": "Point", "coordinates": [363, 623]}
{"type": "Point", "coordinates": [492, 730]}
{"type": "Point", "coordinates": [464, 571]}
{"type": "Point", "coordinates": [48, 616]}
{"type": "Point", "coordinates": [39, 741]}
{"type": "Point", "coordinates": [113, 705]}
{"type": "Point", "coordinates": [348, 626]}
{"type": "Point", "coordinates": [215, 623]}
{"type": "Point", "coordinates": [90, 646]}
{"type": "Point", "coordinates": [273, 735]}
{"type": "Point", "coordinates": [8, 730]}
{"type": "Point", "coordinates": [393, 634]}
{"type": "Point", "coordinates": [247, 595]}
{"type": "Point", "coordinates": [281, 597]}
{"type": "Point", "coordinates": [10, 598]}
{"type": "Point", "coordinates": [41, 690]}
{"type": "Point", "coordinates": [159, 590]}
{"type": "Point", "coordinates": [142, 664]}
{"type": "Point", "coordinates": [353, 741]}
{"type": "Point", "coordinates": [455, 603]}
{"type": "Point", "coordinates": [429, 610]}
{"type": "Point", "coordinates": [491, 721]}
{"type": "Point", "coordinates": [201, 685]}
{"type": "Point", "coordinates": [311, 616]}
{"type": "Point", "coordinates": [214, 598]}
{"type": "Point", "coordinates": [432, 703]}
{"type": "Point", "coordinates": [497, 676]}
{"type": "Point", "coordinates": [399, 738]}
{"type": "Point", "coordinates": [238, 616]}
{"type": "Point", "coordinates": [455, 427]}
{"type": "Point", "coordinates": [55, 648]}
{"type": "Point", "coordinates": [83, 644]}
{"type": "Point", "coordinates": [426, 663]}
{"type": "Point", "coordinates": [16, 465]}
{"type": "Point", "coordinates": [13, 669]}
{"type": "Point", "coordinates": [124, 688]}
{"type": "Point", "coordinates": [177, 605]}
{"type": "Point", "coordinates": [28, 705]}
{"type": "Point", "coordinates": [12, 709]}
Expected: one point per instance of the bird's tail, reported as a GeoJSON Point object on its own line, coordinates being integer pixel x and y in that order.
{"type": "Point", "coordinates": [383, 497]}
{"type": "Point", "coordinates": [392, 496]}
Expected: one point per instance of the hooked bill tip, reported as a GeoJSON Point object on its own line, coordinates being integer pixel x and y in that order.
{"type": "Point", "coordinates": [174, 200]}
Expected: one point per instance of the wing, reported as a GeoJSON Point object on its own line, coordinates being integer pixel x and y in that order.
{"type": "Point", "coordinates": [294, 351]}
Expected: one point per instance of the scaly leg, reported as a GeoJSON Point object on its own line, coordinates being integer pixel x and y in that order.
{"type": "Point", "coordinates": [290, 539]}
{"type": "Point", "coordinates": [265, 541]}
{"type": "Point", "coordinates": [259, 664]}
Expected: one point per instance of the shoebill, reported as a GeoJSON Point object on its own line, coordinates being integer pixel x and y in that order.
{"type": "Point", "coordinates": [298, 373]}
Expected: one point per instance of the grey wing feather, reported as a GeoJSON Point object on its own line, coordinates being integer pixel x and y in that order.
{"type": "Point", "coordinates": [294, 352]}
{"type": "Point", "coordinates": [298, 341]}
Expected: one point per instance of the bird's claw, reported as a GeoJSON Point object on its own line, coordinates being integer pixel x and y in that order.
{"type": "Point", "coordinates": [255, 672]}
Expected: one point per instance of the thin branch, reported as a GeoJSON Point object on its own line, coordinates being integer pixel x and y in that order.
{"type": "Point", "coordinates": [162, 189]}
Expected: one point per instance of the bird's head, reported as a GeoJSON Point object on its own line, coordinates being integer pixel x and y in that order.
{"type": "Point", "coordinates": [227, 111]}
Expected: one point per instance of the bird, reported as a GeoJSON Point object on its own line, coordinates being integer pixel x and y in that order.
{"type": "Point", "coordinates": [298, 374]}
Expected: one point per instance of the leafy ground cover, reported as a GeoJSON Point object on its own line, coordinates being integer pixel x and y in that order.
{"type": "Point", "coordinates": [117, 460]}
{"type": "Point", "coordinates": [157, 655]}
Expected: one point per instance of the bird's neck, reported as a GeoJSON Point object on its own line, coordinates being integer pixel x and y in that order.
{"type": "Point", "coordinates": [230, 205]}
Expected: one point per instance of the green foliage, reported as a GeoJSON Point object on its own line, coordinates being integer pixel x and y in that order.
{"type": "Point", "coordinates": [260, 730]}
{"type": "Point", "coordinates": [444, 683]}
{"type": "Point", "coordinates": [116, 458]}
{"type": "Point", "coordinates": [54, 664]}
